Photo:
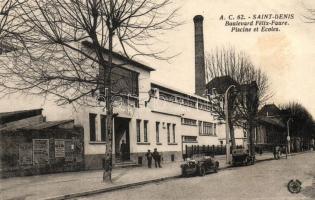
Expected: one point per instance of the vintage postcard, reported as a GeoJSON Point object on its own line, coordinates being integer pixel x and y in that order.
{"type": "Point", "coordinates": [157, 99]}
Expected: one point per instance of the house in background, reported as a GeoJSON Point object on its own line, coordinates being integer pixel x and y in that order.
{"type": "Point", "coordinates": [271, 130]}
{"type": "Point", "coordinates": [31, 145]}
{"type": "Point", "coordinates": [218, 86]}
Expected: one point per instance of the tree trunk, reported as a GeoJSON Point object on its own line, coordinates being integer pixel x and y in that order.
{"type": "Point", "coordinates": [232, 135]}
{"type": "Point", "coordinates": [251, 139]}
{"type": "Point", "coordinates": [107, 175]}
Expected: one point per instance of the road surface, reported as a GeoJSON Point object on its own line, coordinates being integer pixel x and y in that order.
{"type": "Point", "coordinates": [264, 180]}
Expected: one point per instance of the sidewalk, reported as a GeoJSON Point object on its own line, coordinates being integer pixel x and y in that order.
{"type": "Point", "coordinates": [64, 184]}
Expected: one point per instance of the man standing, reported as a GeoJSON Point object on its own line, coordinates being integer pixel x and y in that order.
{"type": "Point", "coordinates": [149, 158]}
{"type": "Point", "coordinates": [157, 158]}
{"type": "Point", "coordinates": [123, 149]}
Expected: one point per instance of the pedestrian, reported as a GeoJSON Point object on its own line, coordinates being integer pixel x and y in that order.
{"type": "Point", "coordinates": [157, 158]}
{"type": "Point", "coordinates": [149, 158]}
{"type": "Point", "coordinates": [123, 150]}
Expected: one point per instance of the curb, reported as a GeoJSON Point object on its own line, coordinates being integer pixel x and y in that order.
{"type": "Point", "coordinates": [130, 185]}
{"type": "Point", "coordinates": [110, 189]}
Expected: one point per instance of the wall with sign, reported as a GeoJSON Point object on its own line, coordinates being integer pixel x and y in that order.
{"type": "Point", "coordinates": [31, 152]}
{"type": "Point", "coordinates": [59, 148]}
{"type": "Point", "coordinates": [40, 151]}
{"type": "Point", "coordinates": [25, 154]}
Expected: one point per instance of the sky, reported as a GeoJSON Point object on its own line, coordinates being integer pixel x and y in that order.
{"type": "Point", "coordinates": [287, 56]}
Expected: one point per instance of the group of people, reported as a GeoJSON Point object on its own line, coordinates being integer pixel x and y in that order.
{"type": "Point", "coordinates": [156, 156]}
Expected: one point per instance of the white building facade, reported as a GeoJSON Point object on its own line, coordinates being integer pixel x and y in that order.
{"type": "Point", "coordinates": [151, 115]}
{"type": "Point", "coordinates": [157, 117]}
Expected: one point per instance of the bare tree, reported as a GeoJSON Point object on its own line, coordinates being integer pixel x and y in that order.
{"type": "Point", "coordinates": [251, 88]}
{"type": "Point", "coordinates": [8, 24]}
{"type": "Point", "coordinates": [301, 123]}
{"type": "Point", "coordinates": [66, 48]}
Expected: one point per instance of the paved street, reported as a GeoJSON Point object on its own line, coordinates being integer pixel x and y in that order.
{"type": "Point", "coordinates": [60, 184]}
{"type": "Point", "coordinates": [266, 180]}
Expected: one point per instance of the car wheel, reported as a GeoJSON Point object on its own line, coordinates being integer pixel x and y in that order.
{"type": "Point", "coordinates": [202, 171]}
{"type": "Point", "coordinates": [184, 173]}
{"type": "Point", "coordinates": [216, 167]}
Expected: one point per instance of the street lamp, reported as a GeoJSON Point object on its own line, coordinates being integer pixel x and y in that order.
{"type": "Point", "coordinates": [226, 113]}
{"type": "Point", "coordinates": [288, 136]}
{"type": "Point", "coordinates": [227, 127]}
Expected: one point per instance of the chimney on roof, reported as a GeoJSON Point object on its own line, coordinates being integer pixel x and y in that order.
{"type": "Point", "coordinates": [200, 82]}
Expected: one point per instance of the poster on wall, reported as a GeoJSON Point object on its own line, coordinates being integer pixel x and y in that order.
{"type": "Point", "coordinates": [25, 154]}
{"type": "Point", "coordinates": [40, 151]}
{"type": "Point", "coordinates": [59, 148]}
{"type": "Point", "coordinates": [68, 150]}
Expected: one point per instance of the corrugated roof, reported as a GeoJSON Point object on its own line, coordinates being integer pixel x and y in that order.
{"type": "Point", "coordinates": [37, 126]}
{"type": "Point", "coordinates": [5, 114]}
{"type": "Point", "coordinates": [45, 125]}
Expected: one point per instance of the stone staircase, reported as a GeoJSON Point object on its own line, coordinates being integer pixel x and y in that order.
{"type": "Point", "coordinates": [124, 164]}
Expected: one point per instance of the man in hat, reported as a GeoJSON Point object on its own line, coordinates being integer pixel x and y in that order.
{"type": "Point", "coordinates": [157, 158]}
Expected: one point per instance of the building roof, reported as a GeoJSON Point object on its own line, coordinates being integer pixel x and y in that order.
{"type": "Point", "coordinates": [269, 110]}
{"type": "Point", "coordinates": [121, 57]}
{"type": "Point", "coordinates": [38, 126]}
{"type": "Point", "coordinates": [6, 117]}
{"type": "Point", "coordinates": [271, 121]}
{"type": "Point", "coordinates": [177, 91]}
{"type": "Point", "coordinates": [221, 84]}
{"type": "Point", "coordinates": [46, 125]}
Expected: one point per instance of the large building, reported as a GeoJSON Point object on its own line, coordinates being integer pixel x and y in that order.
{"type": "Point", "coordinates": [151, 115]}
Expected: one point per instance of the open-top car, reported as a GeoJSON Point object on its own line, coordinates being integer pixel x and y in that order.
{"type": "Point", "coordinates": [199, 166]}
{"type": "Point", "coordinates": [241, 156]}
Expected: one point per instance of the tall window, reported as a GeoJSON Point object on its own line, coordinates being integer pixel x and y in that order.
{"type": "Point", "coordinates": [138, 130]}
{"type": "Point", "coordinates": [157, 131]}
{"type": "Point", "coordinates": [125, 81]}
{"type": "Point", "coordinates": [168, 133]}
{"type": "Point", "coordinates": [103, 128]}
{"type": "Point", "coordinates": [145, 131]}
{"type": "Point", "coordinates": [174, 125]}
{"type": "Point", "coordinates": [207, 128]}
{"type": "Point", "coordinates": [200, 127]}
{"type": "Point", "coordinates": [92, 118]}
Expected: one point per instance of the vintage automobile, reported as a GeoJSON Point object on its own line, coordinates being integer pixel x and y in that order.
{"type": "Point", "coordinates": [241, 156]}
{"type": "Point", "coordinates": [199, 166]}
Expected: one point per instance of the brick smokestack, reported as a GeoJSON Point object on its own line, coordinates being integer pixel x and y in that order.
{"type": "Point", "coordinates": [200, 82]}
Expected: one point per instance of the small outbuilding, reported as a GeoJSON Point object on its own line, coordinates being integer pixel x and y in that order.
{"type": "Point", "coordinates": [31, 145]}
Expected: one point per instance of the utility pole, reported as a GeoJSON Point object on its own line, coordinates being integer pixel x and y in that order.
{"type": "Point", "coordinates": [288, 136]}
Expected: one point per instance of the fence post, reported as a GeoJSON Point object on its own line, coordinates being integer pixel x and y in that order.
{"type": "Point", "coordinates": [186, 154]}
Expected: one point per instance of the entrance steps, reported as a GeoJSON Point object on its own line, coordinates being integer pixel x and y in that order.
{"type": "Point", "coordinates": [124, 164]}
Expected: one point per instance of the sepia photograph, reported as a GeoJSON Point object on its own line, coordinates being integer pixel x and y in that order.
{"type": "Point", "coordinates": [157, 99]}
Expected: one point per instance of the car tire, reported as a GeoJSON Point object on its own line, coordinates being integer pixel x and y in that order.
{"type": "Point", "coordinates": [216, 167]}
{"type": "Point", "coordinates": [202, 171]}
{"type": "Point", "coordinates": [184, 173]}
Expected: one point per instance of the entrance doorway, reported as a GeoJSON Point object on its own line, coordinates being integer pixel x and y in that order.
{"type": "Point", "coordinates": [122, 142]}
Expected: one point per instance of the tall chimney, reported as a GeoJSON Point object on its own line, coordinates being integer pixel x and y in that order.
{"type": "Point", "coordinates": [200, 82]}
